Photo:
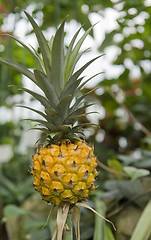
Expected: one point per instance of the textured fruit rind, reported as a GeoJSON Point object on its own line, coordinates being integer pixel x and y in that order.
{"type": "Point", "coordinates": [64, 172]}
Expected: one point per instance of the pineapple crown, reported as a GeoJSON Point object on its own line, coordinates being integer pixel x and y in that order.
{"type": "Point", "coordinates": [59, 82]}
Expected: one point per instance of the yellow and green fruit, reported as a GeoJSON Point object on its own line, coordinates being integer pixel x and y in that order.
{"type": "Point", "coordinates": [64, 168]}
{"type": "Point", "coordinates": [64, 172]}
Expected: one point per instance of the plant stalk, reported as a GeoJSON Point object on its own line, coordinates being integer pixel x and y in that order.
{"type": "Point", "coordinates": [68, 228]}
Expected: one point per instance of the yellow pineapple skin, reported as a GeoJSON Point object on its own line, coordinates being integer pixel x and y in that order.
{"type": "Point", "coordinates": [65, 172]}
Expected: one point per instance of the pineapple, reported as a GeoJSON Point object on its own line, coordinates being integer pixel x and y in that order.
{"type": "Point", "coordinates": [64, 167]}
{"type": "Point", "coordinates": [64, 172]}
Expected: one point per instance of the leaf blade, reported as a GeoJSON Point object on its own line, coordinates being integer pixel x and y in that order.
{"type": "Point", "coordinates": [143, 227]}
{"type": "Point", "coordinates": [58, 59]}
{"type": "Point", "coordinates": [37, 96]}
{"type": "Point", "coordinates": [47, 87]}
{"type": "Point", "coordinates": [73, 55]}
{"type": "Point", "coordinates": [44, 48]}
{"type": "Point", "coordinates": [27, 48]}
{"type": "Point", "coordinates": [20, 69]}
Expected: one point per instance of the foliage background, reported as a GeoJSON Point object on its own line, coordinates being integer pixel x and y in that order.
{"type": "Point", "coordinates": [123, 141]}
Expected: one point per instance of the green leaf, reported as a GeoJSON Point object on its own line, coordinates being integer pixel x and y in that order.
{"type": "Point", "coordinates": [71, 88]}
{"type": "Point", "coordinates": [53, 116]}
{"type": "Point", "coordinates": [99, 230]}
{"type": "Point", "coordinates": [31, 225]}
{"type": "Point", "coordinates": [117, 166]}
{"type": "Point", "coordinates": [108, 41]}
{"type": "Point", "coordinates": [108, 233]}
{"type": "Point", "coordinates": [78, 101]}
{"type": "Point", "coordinates": [135, 173]}
{"type": "Point", "coordinates": [37, 96]}
{"type": "Point", "coordinates": [46, 87]}
{"type": "Point", "coordinates": [27, 48]}
{"type": "Point", "coordinates": [142, 230]}
{"type": "Point", "coordinates": [64, 128]}
{"type": "Point", "coordinates": [75, 76]}
{"type": "Point", "coordinates": [7, 184]}
{"type": "Point", "coordinates": [63, 107]}
{"type": "Point", "coordinates": [20, 69]}
{"type": "Point", "coordinates": [78, 130]}
{"type": "Point", "coordinates": [69, 50]}
{"type": "Point", "coordinates": [80, 109]}
{"type": "Point", "coordinates": [49, 125]}
{"type": "Point", "coordinates": [40, 129]}
{"type": "Point", "coordinates": [44, 48]}
{"type": "Point", "coordinates": [87, 125]}
{"type": "Point", "coordinates": [39, 58]}
{"type": "Point", "coordinates": [78, 56]}
{"type": "Point", "coordinates": [57, 137]}
{"type": "Point", "coordinates": [129, 159]}
{"type": "Point", "coordinates": [58, 60]}
{"type": "Point", "coordinates": [12, 211]}
{"type": "Point", "coordinates": [86, 81]}
{"type": "Point", "coordinates": [51, 42]}
{"type": "Point", "coordinates": [74, 54]}
{"type": "Point", "coordinates": [77, 117]}
{"type": "Point", "coordinates": [40, 234]}
{"type": "Point", "coordinates": [34, 110]}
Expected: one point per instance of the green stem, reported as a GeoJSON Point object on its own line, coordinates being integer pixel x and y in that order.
{"type": "Point", "coordinates": [68, 230]}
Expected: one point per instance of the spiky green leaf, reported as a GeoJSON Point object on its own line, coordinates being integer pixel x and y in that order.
{"type": "Point", "coordinates": [87, 125]}
{"type": "Point", "coordinates": [58, 59]}
{"type": "Point", "coordinates": [71, 88]}
{"type": "Point", "coordinates": [37, 96]}
{"type": "Point", "coordinates": [79, 100]}
{"type": "Point", "coordinates": [20, 69]}
{"type": "Point", "coordinates": [74, 53]}
{"type": "Point", "coordinates": [38, 55]}
{"type": "Point", "coordinates": [47, 87]}
{"type": "Point", "coordinates": [63, 106]}
{"type": "Point", "coordinates": [57, 137]}
{"type": "Point", "coordinates": [78, 56]}
{"type": "Point", "coordinates": [34, 110]}
{"type": "Point", "coordinates": [44, 48]}
{"type": "Point", "coordinates": [64, 128]}
{"type": "Point", "coordinates": [75, 117]}
{"type": "Point", "coordinates": [89, 79]}
{"type": "Point", "coordinates": [45, 130]}
{"type": "Point", "coordinates": [53, 115]}
{"type": "Point", "coordinates": [69, 50]}
{"type": "Point", "coordinates": [75, 76]}
{"type": "Point", "coordinates": [48, 125]}
{"type": "Point", "coordinates": [27, 48]}
{"type": "Point", "coordinates": [80, 109]}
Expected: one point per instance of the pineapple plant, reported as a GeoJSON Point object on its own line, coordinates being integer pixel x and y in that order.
{"type": "Point", "coordinates": [64, 166]}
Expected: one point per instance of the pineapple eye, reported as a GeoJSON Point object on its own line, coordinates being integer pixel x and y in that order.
{"type": "Point", "coordinates": [81, 191]}
{"type": "Point", "coordinates": [86, 173]}
{"type": "Point", "coordinates": [43, 162]}
{"type": "Point", "coordinates": [41, 179]}
{"type": "Point", "coordinates": [60, 153]}
{"type": "Point", "coordinates": [74, 163]}
{"type": "Point", "coordinates": [56, 173]}
{"type": "Point", "coordinates": [57, 169]}
{"type": "Point", "coordinates": [70, 182]}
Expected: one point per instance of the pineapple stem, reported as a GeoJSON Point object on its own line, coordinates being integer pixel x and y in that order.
{"type": "Point", "coordinates": [68, 229]}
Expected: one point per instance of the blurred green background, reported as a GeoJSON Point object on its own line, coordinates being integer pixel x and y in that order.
{"type": "Point", "coordinates": [123, 99]}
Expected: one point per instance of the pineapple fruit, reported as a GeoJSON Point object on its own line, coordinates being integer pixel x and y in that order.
{"type": "Point", "coordinates": [64, 172]}
{"type": "Point", "coordinates": [64, 168]}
